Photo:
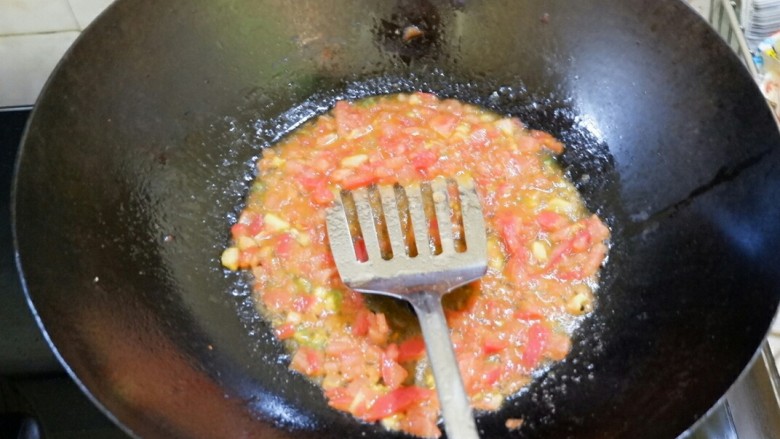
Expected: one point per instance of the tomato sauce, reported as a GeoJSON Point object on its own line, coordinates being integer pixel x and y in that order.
{"type": "Point", "coordinates": [544, 248]}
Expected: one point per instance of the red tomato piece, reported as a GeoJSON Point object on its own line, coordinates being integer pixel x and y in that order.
{"type": "Point", "coordinates": [303, 303]}
{"type": "Point", "coordinates": [249, 257]}
{"type": "Point", "coordinates": [581, 241]}
{"type": "Point", "coordinates": [513, 232]}
{"type": "Point", "coordinates": [322, 195]}
{"type": "Point", "coordinates": [339, 398]}
{"type": "Point", "coordinates": [491, 344]}
{"type": "Point", "coordinates": [238, 230]}
{"type": "Point", "coordinates": [347, 119]}
{"type": "Point", "coordinates": [378, 329]}
{"type": "Point", "coordinates": [492, 375]}
{"type": "Point", "coordinates": [307, 361]}
{"type": "Point", "coordinates": [444, 123]}
{"type": "Point", "coordinates": [551, 221]}
{"type": "Point", "coordinates": [393, 374]}
{"type": "Point", "coordinates": [357, 180]}
{"type": "Point", "coordinates": [360, 327]}
{"type": "Point", "coordinates": [424, 159]}
{"type": "Point", "coordinates": [360, 250]}
{"type": "Point", "coordinates": [534, 345]}
{"type": "Point", "coordinates": [411, 349]}
{"type": "Point", "coordinates": [277, 299]}
{"type": "Point", "coordinates": [284, 245]}
{"type": "Point", "coordinates": [285, 331]}
{"type": "Point", "coordinates": [396, 401]}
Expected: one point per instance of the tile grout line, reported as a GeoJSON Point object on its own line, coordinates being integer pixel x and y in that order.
{"type": "Point", "coordinates": [50, 32]}
{"type": "Point", "coordinates": [73, 14]}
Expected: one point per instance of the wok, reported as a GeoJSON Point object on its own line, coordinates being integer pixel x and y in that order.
{"type": "Point", "coordinates": [142, 145]}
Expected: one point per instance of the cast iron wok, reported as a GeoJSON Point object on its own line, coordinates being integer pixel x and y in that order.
{"type": "Point", "coordinates": [140, 151]}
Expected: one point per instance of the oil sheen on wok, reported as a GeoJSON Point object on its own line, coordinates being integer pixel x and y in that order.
{"type": "Point", "coordinates": [366, 352]}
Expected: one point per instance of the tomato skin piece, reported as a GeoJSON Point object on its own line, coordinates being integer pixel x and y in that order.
{"type": "Point", "coordinates": [424, 160]}
{"type": "Point", "coordinates": [284, 245]}
{"type": "Point", "coordinates": [285, 331]}
{"type": "Point", "coordinates": [537, 337]}
{"type": "Point", "coordinates": [492, 375]}
{"type": "Point", "coordinates": [303, 303]}
{"type": "Point", "coordinates": [322, 195]}
{"type": "Point", "coordinates": [513, 232]}
{"type": "Point", "coordinates": [551, 221]}
{"type": "Point", "coordinates": [393, 374]}
{"type": "Point", "coordinates": [444, 124]}
{"type": "Point", "coordinates": [355, 181]}
{"type": "Point", "coordinates": [277, 299]}
{"type": "Point", "coordinates": [339, 398]}
{"type": "Point", "coordinates": [492, 345]}
{"type": "Point", "coordinates": [360, 250]}
{"type": "Point", "coordinates": [360, 327]}
{"type": "Point", "coordinates": [307, 361]}
{"type": "Point", "coordinates": [238, 230]}
{"type": "Point", "coordinates": [411, 349]}
{"type": "Point", "coordinates": [396, 401]}
{"type": "Point", "coordinates": [581, 241]}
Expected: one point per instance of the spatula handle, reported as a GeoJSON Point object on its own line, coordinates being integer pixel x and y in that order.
{"type": "Point", "coordinates": [456, 410]}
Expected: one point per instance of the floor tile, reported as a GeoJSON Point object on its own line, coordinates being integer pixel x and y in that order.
{"type": "Point", "coordinates": [34, 57]}
{"type": "Point", "coordinates": [86, 10]}
{"type": "Point", "coordinates": [35, 16]}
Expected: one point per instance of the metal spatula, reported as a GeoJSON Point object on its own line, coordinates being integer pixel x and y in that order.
{"type": "Point", "coordinates": [416, 265]}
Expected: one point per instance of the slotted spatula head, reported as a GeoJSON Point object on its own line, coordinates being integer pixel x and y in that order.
{"type": "Point", "coordinates": [407, 251]}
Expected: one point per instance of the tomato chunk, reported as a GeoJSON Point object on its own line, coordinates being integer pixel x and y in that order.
{"type": "Point", "coordinates": [396, 401]}
{"type": "Point", "coordinates": [411, 349]}
{"type": "Point", "coordinates": [535, 343]}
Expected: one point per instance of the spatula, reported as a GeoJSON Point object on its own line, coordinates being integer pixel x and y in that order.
{"type": "Point", "coordinates": [378, 251]}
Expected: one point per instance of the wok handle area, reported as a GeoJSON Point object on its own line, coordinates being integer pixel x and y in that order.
{"type": "Point", "coordinates": [754, 402]}
{"type": "Point", "coordinates": [455, 407]}
{"type": "Point", "coordinates": [750, 409]}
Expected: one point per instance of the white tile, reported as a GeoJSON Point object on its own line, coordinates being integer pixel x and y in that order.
{"type": "Point", "coordinates": [701, 6]}
{"type": "Point", "coordinates": [28, 60]}
{"type": "Point", "coordinates": [86, 10]}
{"type": "Point", "coordinates": [776, 325]}
{"type": "Point", "coordinates": [774, 345]}
{"type": "Point", "coordinates": [35, 16]}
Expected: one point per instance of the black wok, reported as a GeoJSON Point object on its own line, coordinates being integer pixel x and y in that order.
{"type": "Point", "coordinates": [140, 151]}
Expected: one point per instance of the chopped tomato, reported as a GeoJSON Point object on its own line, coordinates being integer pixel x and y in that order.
{"type": "Point", "coordinates": [444, 124]}
{"type": "Point", "coordinates": [411, 349]}
{"type": "Point", "coordinates": [356, 180]}
{"type": "Point", "coordinates": [393, 374]}
{"type": "Point", "coordinates": [302, 303]}
{"type": "Point", "coordinates": [378, 330]}
{"type": "Point", "coordinates": [396, 401]}
{"type": "Point", "coordinates": [581, 241]}
{"type": "Point", "coordinates": [285, 331]}
{"type": "Point", "coordinates": [492, 375]}
{"type": "Point", "coordinates": [307, 360]}
{"type": "Point", "coordinates": [492, 344]}
{"type": "Point", "coordinates": [424, 159]}
{"type": "Point", "coordinates": [277, 299]}
{"type": "Point", "coordinates": [537, 337]}
{"type": "Point", "coordinates": [360, 249]}
{"type": "Point", "coordinates": [513, 232]}
{"type": "Point", "coordinates": [322, 195]}
{"type": "Point", "coordinates": [551, 221]}
{"type": "Point", "coordinates": [360, 327]}
{"type": "Point", "coordinates": [284, 244]}
{"type": "Point", "coordinates": [543, 248]}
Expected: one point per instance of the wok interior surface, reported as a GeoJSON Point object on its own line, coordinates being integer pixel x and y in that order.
{"type": "Point", "coordinates": [142, 146]}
